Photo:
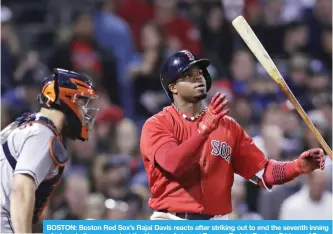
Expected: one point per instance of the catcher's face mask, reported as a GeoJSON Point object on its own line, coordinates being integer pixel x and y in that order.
{"type": "Point", "coordinates": [87, 112]}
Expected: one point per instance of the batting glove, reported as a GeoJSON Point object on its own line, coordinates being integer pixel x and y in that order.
{"type": "Point", "coordinates": [215, 112]}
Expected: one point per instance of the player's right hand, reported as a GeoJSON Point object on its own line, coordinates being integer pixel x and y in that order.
{"type": "Point", "coordinates": [310, 160]}
{"type": "Point", "coordinates": [215, 112]}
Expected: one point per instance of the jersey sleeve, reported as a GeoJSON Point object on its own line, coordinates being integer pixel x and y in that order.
{"type": "Point", "coordinates": [248, 160]}
{"type": "Point", "coordinates": [34, 158]}
{"type": "Point", "coordinates": [154, 135]}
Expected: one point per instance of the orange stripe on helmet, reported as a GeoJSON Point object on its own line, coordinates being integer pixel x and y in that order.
{"type": "Point", "coordinates": [79, 82]}
{"type": "Point", "coordinates": [83, 88]}
{"type": "Point", "coordinates": [48, 90]}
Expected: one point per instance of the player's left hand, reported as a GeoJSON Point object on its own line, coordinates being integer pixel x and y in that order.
{"type": "Point", "coordinates": [310, 160]}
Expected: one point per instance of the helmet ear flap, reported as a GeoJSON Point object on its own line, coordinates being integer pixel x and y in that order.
{"type": "Point", "coordinates": [52, 91]}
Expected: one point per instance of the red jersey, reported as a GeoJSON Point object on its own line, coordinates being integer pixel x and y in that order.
{"type": "Point", "coordinates": [206, 186]}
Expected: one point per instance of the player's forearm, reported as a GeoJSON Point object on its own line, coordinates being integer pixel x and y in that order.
{"type": "Point", "coordinates": [283, 172]}
{"type": "Point", "coordinates": [176, 158]}
{"type": "Point", "coordinates": [277, 173]}
{"type": "Point", "coordinates": [21, 208]}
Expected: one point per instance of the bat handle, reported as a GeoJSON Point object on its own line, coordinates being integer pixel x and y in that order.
{"type": "Point", "coordinates": [320, 139]}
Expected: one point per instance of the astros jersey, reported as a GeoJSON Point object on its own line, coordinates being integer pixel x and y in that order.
{"type": "Point", "coordinates": [205, 187]}
{"type": "Point", "coordinates": [30, 146]}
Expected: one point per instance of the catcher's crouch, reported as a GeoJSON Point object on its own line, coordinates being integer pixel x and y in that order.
{"type": "Point", "coordinates": [191, 152]}
{"type": "Point", "coordinates": [33, 156]}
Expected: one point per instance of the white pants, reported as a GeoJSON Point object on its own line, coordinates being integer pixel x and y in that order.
{"type": "Point", "coordinates": [169, 216]}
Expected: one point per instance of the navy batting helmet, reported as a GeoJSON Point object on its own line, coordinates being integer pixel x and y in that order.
{"type": "Point", "coordinates": [177, 64]}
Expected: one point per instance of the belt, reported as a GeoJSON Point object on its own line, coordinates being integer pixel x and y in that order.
{"type": "Point", "coordinates": [189, 216]}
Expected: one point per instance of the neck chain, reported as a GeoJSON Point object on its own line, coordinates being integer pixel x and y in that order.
{"type": "Point", "coordinates": [187, 117]}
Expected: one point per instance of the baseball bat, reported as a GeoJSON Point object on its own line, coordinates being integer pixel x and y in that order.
{"type": "Point", "coordinates": [252, 41]}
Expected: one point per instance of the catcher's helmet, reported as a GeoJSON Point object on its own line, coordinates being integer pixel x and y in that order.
{"type": "Point", "coordinates": [177, 64]}
{"type": "Point", "coordinates": [70, 92]}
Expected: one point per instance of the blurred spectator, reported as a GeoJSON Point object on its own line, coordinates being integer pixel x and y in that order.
{"type": "Point", "coordinates": [309, 138]}
{"type": "Point", "coordinates": [136, 13]}
{"type": "Point", "coordinates": [180, 33]}
{"type": "Point", "coordinates": [273, 116]}
{"type": "Point", "coordinates": [272, 12]}
{"type": "Point", "coordinates": [233, 8]}
{"type": "Point", "coordinates": [264, 92]}
{"type": "Point", "coordinates": [217, 39]}
{"type": "Point", "coordinates": [97, 173]}
{"type": "Point", "coordinates": [116, 210]}
{"type": "Point", "coordinates": [325, 53]}
{"type": "Point", "coordinates": [319, 81]}
{"type": "Point", "coordinates": [271, 29]}
{"type": "Point", "coordinates": [193, 10]}
{"type": "Point", "coordinates": [240, 208]}
{"type": "Point", "coordinates": [312, 202]}
{"type": "Point", "coordinates": [106, 120]}
{"type": "Point", "coordinates": [295, 39]}
{"type": "Point", "coordinates": [269, 202]}
{"type": "Point", "coordinates": [316, 18]}
{"type": "Point", "coordinates": [127, 144]}
{"type": "Point", "coordinates": [95, 207]}
{"type": "Point", "coordinates": [76, 193]}
{"type": "Point", "coordinates": [293, 10]}
{"type": "Point", "coordinates": [293, 130]}
{"type": "Point", "coordinates": [82, 54]}
{"type": "Point", "coordinates": [144, 72]}
{"type": "Point", "coordinates": [323, 102]}
{"type": "Point", "coordinates": [127, 136]}
{"type": "Point", "coordinates": [242, 111]}
{"type": "Point", "coordinates": [271, 141]}
{"type": "Point", "coordinates": [223, 85]}
{"type": "Point", "coordinates": [82, 153]}
{"type": "Point", "coordinates": [28, 76]}
{"type": "Point", "coordinates": [242, 70]}
{"type": "Point", "coordinates": [10, 49]}
{"type": "Point", "coordinates": [114, 35]}
{"type": "Point", "coordinates": [117, 178]}
{"type": "Point", "coordinates": [298, 78]}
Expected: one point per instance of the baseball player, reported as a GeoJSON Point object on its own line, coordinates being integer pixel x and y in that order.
{"type": "Point", "coordinates": [191, 151]}
{"type": "Point", "coordinates": [33, 155]}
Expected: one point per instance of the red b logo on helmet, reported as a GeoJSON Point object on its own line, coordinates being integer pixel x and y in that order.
{"type": "Point", "coordinates": [189, 55]}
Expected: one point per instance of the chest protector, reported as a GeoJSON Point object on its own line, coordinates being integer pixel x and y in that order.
{"type": "Point", "coordinates": [57, 151]}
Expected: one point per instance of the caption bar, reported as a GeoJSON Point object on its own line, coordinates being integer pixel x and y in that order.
{"type": "Point", "coordinates": [186, 227]}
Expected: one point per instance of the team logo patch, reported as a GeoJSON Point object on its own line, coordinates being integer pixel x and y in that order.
{"type": "Point", "coordinates": [221, 149]}
{"type": "Point", "coordinates": [189, 55]}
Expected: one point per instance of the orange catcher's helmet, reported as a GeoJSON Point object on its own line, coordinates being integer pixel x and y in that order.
{"type": "Point", "coordinates": [71, 93]}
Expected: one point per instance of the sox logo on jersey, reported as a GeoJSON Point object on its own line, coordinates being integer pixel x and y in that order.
{"type": "Point", "coordinates": [221, 149]}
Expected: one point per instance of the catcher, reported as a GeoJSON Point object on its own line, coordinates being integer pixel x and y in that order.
{"type": "Point", "coordinates": [191, 151]}
{"type": "Point", "coordinates": [33, 155]}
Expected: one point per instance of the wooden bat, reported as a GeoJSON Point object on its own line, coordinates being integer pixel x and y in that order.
{"type": "Point", "coordinates": [249, 37]}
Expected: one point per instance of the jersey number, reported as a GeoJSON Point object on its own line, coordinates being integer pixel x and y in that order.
{"type": "Point", "coordinates": [221, 149]}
